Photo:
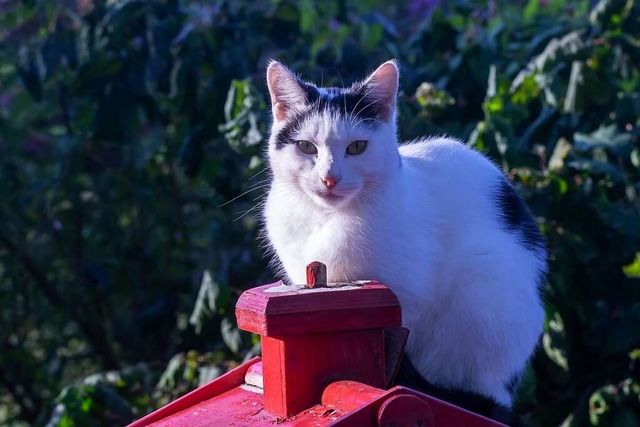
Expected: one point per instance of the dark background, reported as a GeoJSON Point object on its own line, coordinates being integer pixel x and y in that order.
{"type": "Point", "coordinates": [128, 129]}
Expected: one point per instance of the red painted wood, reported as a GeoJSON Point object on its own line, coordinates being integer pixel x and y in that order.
{"type": "Point", "coordinates": [231, 379]}
{"type": "Point", "coordinates": [446, 414]}
{"type": "Point", "coordinates": [296, 369]}
{"type": "Point", "coordinates": [239, 407]}
{"type": "Point", "coordinates": [323, 363]}
{"type": "Point", "coordinates": [404, 410]}
{"type": "Point", "coordinates": [312, 337]}
{"type": "Point", "coordinates": [305, 311]}
{"type": "Point", "coordinates": [344, 404]}
{"type": "Point", "coordinates": [346, 395]}
{"type": "Point", "coordinates": [360, 404]}
{"type": "Point", "coordinates": [233, 407]}
{"type": "Point", "coordinates": [316, 275]}
{"type": "Point", "coordinates": [349, 395]}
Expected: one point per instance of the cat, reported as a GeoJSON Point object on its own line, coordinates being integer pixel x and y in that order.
{"type": "Point", "coordinates": [433, 219]}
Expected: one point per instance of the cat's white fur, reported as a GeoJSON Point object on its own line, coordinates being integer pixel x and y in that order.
{"type": "Point", "coordinates": [419, 217]}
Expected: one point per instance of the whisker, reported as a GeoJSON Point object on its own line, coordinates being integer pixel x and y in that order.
{"type": "Point", "coordinates": [369, 90]}
{"type": "Point", "coordinates": [259, 186]}
{"type": "Point", "coordinates": [363, 120]}
{"type": "Point", "coordinates": [340, 77]}
{"type": "Point", "coordinates": [245, 213]}
{"type": "Point", "coordinates": [262, 171]}
{"type": "Point", "coordinates": [363, 108]}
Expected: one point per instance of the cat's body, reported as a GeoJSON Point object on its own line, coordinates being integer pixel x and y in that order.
{"type": "Point", "coordinates": [432, 219]}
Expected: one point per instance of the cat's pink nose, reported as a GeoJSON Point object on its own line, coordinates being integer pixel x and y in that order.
{"type": "Point", "coordinates": [330, 181]}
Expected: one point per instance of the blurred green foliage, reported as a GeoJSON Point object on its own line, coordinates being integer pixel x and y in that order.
{"type": "Point", "coordinates": [128, 129]}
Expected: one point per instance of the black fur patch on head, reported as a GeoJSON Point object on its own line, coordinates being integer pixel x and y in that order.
{"type": "Point", "coordinates": [516, 217]}
{"type": "Point", "coordinates": [349, 102]}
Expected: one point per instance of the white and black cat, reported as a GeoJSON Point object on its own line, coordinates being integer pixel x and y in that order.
{"type": "Point", "coordinates": [433, 219]}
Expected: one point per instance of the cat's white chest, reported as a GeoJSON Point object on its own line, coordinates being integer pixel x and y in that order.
{"type": "Point", "coordinates": [304, 235]}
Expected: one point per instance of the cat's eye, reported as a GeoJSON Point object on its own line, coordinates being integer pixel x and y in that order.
{"type": "Point", "coordinates": [357, 147]}
{"type": "Point", "coordinates": [307, 148]}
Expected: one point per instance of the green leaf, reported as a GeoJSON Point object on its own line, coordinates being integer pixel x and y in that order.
{"type": "Point", "coordinates": [606, 137]}
{"type": "Point", "coordinates": [560, 152]}
{"type": "Point", "coordinates": [526, 91]}
{"type": "Point", "coordinates": [86, 405]}
{"type": "Point", "coordinates": [168, 378]}
{"type": "Point", "coordinates": [610, 13]}
{"type": "Point", "coordinates": [633, 269]}
{"type": "Point", "coordinates": [432, 99]}
{"type": "Point", "coordinates": [635, 158]}
{"type": "Point", "coordinates": [552, 342]}
{"type": "Point", "coordinates": [492, 83]}
{"type": "Point", "coordinates": [231, 334]}
{"type": "Point", "coordinates": [598, 406]}
{"type": "Point", "coordinates": [530, 10]}
{"type": "Point", "coordinates": [572, 46]}
{"type": "Point", "coordinates": [206, 301]}
{"type": "Point", "coordinates": [206, 374]}
{"type": "Point", "coordinates": [244, 114]}
{"type": "Point", "coordinates": [494, 105]}
{"type": "Point", "coordinates": [576, 81]}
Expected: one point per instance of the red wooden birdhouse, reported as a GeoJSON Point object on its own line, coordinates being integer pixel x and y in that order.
{"type": "Point", "coordinates": [329, 353]}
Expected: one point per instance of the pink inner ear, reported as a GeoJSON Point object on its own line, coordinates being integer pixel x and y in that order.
{"type": "Point", "coordinates": [284, 88]}
{"type": "Point", "coordinates": [279, 110]}
{"type": "Point", "coordinates": [386, 111]}
{"type": "Point", "coordinates": [382, 85]}
{"type": "Point", "coordinates": [387, 74]}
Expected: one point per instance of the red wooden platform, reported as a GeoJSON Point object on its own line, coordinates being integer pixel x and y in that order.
{"type": "Point", "coordinates": [324, 363]}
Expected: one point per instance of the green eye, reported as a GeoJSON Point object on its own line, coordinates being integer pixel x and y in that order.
{"type": "Point", "coordinates": [357, 147]}
{"type": "Point", "coordinates": [306, 147]}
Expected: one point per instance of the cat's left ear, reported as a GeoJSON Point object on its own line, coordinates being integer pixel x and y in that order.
{"type": "Point", "coordinates": [382, 86]}
{"type": "Point", "coordinates": [287, 93]}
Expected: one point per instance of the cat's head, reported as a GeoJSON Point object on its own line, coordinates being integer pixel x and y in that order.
{"type": "Point", "coordinates": [333, 145]}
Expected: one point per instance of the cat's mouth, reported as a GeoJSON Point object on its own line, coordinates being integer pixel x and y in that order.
{"type": "Point", "coordinates": [330, 197]}
{"type": "Point", "coordinates": [333, 198]}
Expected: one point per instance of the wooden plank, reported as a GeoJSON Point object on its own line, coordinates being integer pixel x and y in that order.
{"type": "Point", "coordinates": [349, 395]}
{"type": "Point", "coordinates": [405, 410]}
{"type": "Point", "coordinates": [296, 370]}
{"type": "Point", "coordinates": [365, 411]}
{"type": "Point", "coordinates": [231, 379]}
{"type": "Point", "coordinates": [320, 321]}
{"type": "Point", "coordinates": [446, 414]}
{"type": "Point", "coordinates": [317, 310]}
{"type": "Point", "coordinates": [238, 407]}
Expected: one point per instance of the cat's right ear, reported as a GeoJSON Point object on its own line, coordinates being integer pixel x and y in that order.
{"type": "Point", "coordinates": [287, 93]}
{"type": "Point", "coordinates": [382, 86]}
